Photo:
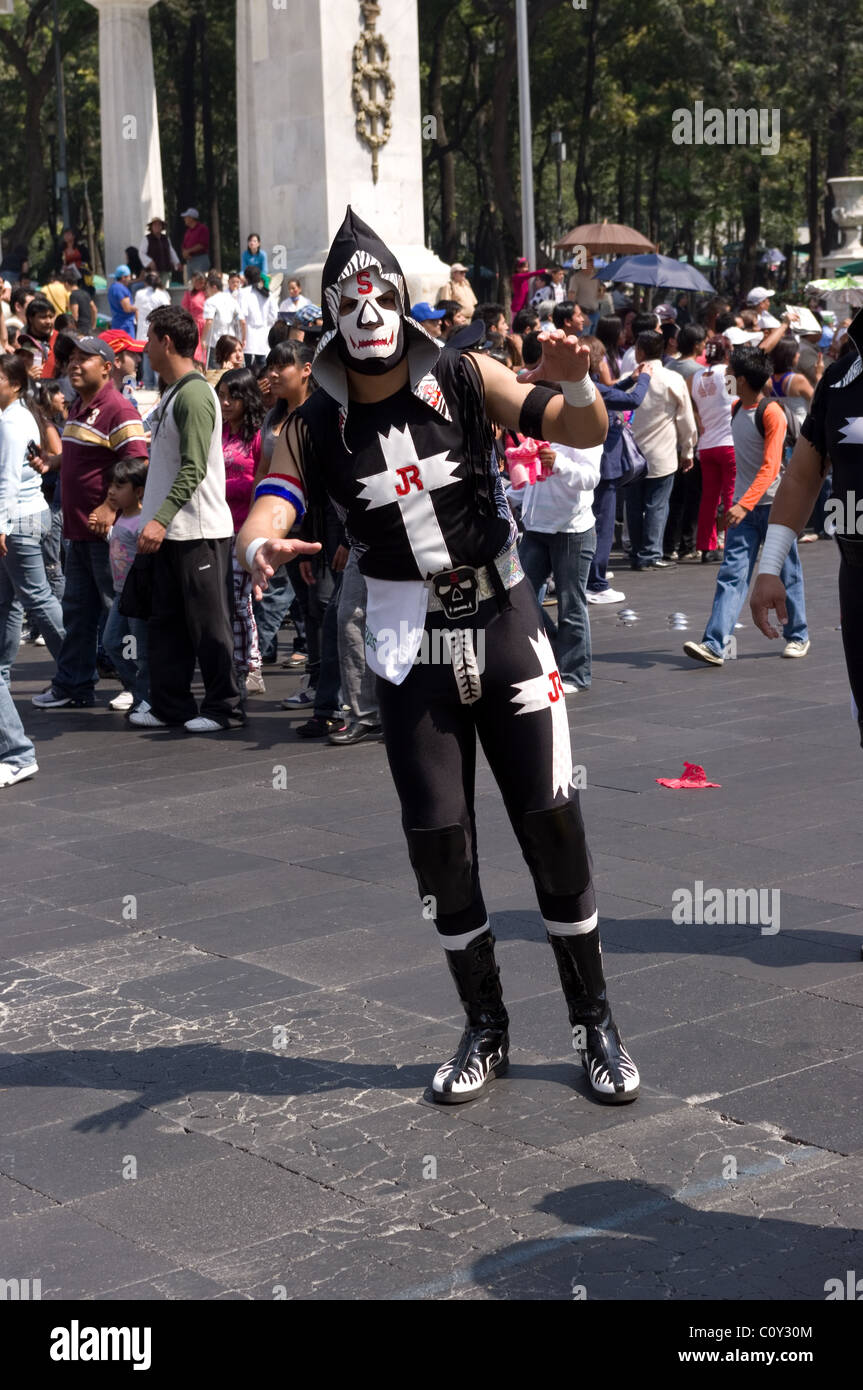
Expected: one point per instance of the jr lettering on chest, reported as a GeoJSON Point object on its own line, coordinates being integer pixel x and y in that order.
{"type": "Point", "coordinates": [409, 481]}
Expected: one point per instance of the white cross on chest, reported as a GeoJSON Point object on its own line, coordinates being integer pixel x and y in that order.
{"type": "Point", "coordinates": [410, 481]}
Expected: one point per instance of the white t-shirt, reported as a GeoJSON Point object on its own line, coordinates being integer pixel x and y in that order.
{"type": "Point", "coordinates": [146, 301]}
{"type": "Point", "coordinates": [259, 312]}
{"type": "Point", "coordinates": [223, 312]}
{"type": "Point", "coordinates": [713, 399]}
{"type": "Point", "coordinates": [293, 306]}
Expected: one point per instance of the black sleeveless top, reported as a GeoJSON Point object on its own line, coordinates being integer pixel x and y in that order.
{"type": "Point", "coordinates": [414, 476]}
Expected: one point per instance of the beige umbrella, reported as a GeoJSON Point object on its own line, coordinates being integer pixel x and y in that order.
{"type": "Point", "coordinates": [606, 238]}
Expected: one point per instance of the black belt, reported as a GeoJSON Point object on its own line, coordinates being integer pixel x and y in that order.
{"type": "Point", "coordinates": [851, 550]}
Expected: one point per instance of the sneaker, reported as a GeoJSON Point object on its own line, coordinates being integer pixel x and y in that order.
{"type": "Point", "coordinates": [569, 688]}
{"type": "Point", "coordinates": [699, 652]}
{"type": "Point", "coordinates": [203, 725]}
{"type": "Point", "coordinates": [354, 733]}
{"type": "Point", "coordinates": [711, 557]}
{"type": "Point", "coordinates": [317, 727]}
{"type": "Point", "coordinates": [300, 699]}
{"type": "Point", "coordinates": [797, 648]}
{"type": "Point", "coordinates": [9, 774]}
{"type": "Point", "coordinates": [40, 640]}
{"type": "Point", "coordinates": [609, 574]}
{"type": "Point", "coordinates": [122, 702]}
{"type": "Point", "coordinates": [606, 596]}
{"type": "Point", "coordinates": [691, 555]}
{"type": "Point", "coordinates": [144, 718]}
{"type": "Point", "coordinates": [255, 683]}
{"type": "Point", "coordinates": [52, 699]}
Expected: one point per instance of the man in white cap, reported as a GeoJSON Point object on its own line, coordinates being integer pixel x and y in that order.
{"type": "Point", "coordinates": [457, 288]}
{"type": "Point", "coordinates": [759, 299]}
{"type": "Point", "coordinates": [196, 243]}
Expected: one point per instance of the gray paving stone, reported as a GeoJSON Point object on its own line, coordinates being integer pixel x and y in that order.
{"type": "Point", "coordinates": [184, 1214]}
{"type": "Point", "coordinates": [65, 1160]}
{"type": "Point", "coordinates": [203, 986]}
{"type": "Point", "coordinates": [75, 1256]}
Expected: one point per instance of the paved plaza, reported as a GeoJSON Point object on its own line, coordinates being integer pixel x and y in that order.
{"type": "Point", "coordinates": [220, 1006]}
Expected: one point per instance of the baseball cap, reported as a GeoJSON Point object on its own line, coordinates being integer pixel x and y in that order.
{"type": "Point", "coordinates": [96, 347]}
{"type": "Point", "coordinates": [308, 316]}
{"type": "Point", "coordinates": [737, 337]}
{"type": "Point", "coordinates": [120, 341]}
{"type": "Point", "coordinates": [122, 270]}
{"type": "Point", "coordinates": [757, 293]}
{"type": "Point", "coordinates": [190, 212]}
{"type": "Point", "coordinates": [423, 311]}
{"type": "Point", "coordinates": [667, 313]}
{"type": "Point", "coordinates": [457, 265]}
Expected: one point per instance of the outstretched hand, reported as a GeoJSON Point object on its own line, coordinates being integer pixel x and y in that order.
{"type": "Point", "coordinates": [564, 358]}
{"type": "Point", "coordinates": [271, 554]}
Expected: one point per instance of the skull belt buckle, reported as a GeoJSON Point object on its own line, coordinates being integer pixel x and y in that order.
{"type": "Point", "coordinates": [458, 591]}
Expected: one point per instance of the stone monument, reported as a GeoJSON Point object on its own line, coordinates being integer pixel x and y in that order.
{"type": "Point", "coordinates": [328, 113]}
{"type": "Point", "coordinates": [131, 158]}
{"type": "Point", "coordinates": [848, 215]}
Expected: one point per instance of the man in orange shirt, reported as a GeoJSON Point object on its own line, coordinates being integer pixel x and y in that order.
{"type": "Point", "coordinates": [758, 428]}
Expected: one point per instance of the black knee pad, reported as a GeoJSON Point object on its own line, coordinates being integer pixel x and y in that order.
{"type": "Point", "coordinates": [554, 847]}
{"type": "Point", "coordinates": [442, 864]}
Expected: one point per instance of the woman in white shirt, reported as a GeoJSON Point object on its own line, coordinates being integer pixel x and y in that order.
{"type": "Point", "coordinates": [713, 397]}
{"type": "Point", "coordinates": [258, 312]}
{"type": "Point", "coordinates": [25, 521]}
{"type": "Point", "coordinates": [560, 539]}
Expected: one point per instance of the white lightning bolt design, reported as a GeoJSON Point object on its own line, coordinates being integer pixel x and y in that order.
{"type": "Point", "coordinates": [852, 430]}
{"type": "Point", "coordinates": [415, 479]}
{"type": "Point", "coordinates": [541, 693]}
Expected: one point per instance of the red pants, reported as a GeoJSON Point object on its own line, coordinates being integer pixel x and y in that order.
{"type": "Point", "coordinates": [717, 484]}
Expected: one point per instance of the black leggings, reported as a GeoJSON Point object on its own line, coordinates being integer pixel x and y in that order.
{"type": "Point", "coordinates": [430, 736]}
{"type": "Point", "coordinates": [851, 617]}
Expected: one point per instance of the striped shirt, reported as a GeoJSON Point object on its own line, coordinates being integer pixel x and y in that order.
{"type": "Point", "coordinates": [95, 436]}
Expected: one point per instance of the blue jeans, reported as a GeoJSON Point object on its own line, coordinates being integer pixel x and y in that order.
{"type": "Point", "coordinates": [149, 376]}
{"type": "Point", "coordinates": [742, 543]}
{"type": "Point", "coordinates": [129, 658]}
{"type": "Point", "coordinates": [88, 600]}
{"type": "Point", "coordinates": [604, 509]}
{"type": "Point", "coordinates": [271, 609]}
{"type": "Point", "coordinates": [567, 556]}
{"type": "Point", "coordinates": [23, 578]}
{"type": "Point", "coordinates": [646, 502]}
{"type": "Point", "coordinates": [15, 747]}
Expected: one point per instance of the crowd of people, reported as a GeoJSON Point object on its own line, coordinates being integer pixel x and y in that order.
{"type": "Point", "coordinates": [118, 523]}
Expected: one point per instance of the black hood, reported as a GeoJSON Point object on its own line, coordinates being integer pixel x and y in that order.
{"type": "Point", "coordinates": [356, 246]}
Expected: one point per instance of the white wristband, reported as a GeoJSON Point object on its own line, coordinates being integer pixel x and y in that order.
{"type": "Point", "coordinates": [776, 548]}
{"type": "Point", "coordinates": [252, 550]}
{"type": "Point", "coordinates": [579, 393]}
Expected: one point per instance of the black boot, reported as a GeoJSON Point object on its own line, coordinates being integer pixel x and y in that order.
{"type": "Point", "coordinates": [612, 1074]}
{"type": "Point", "coordinates": [484, 1048]}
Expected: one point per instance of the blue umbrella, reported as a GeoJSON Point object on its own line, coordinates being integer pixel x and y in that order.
{"type": "Point", "coordinates": [662, 271]}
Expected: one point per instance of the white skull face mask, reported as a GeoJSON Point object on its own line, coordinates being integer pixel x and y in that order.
{"type": "Point", "coordinates": [371, 332]}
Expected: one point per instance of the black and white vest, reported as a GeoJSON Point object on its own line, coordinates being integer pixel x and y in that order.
{"type": "Point", "coordinates": [413, 476]}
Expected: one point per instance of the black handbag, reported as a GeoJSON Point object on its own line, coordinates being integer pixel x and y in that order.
{"type": "Point", "coordinates": [136, 598]}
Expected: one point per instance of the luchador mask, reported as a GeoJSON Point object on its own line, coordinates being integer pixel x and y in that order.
{"type": "Point", "coordinates": [370, 322]}
{"type": "Point", "coordinates": [375, 333]}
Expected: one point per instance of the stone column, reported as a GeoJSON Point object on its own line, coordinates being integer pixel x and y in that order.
{"type": "Point", "coordinates": [131, 158]}
{"type": "Point", "coordinates": [299, 156]}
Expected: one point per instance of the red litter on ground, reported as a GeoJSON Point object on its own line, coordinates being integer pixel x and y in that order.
{"type": "Point", "coordinates": [693, 779]}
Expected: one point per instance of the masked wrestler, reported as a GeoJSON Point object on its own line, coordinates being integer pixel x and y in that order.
{"type": "Point", "coordinates": [398, 436]}
{"type": "Point", "coordinates": [831, 436]}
